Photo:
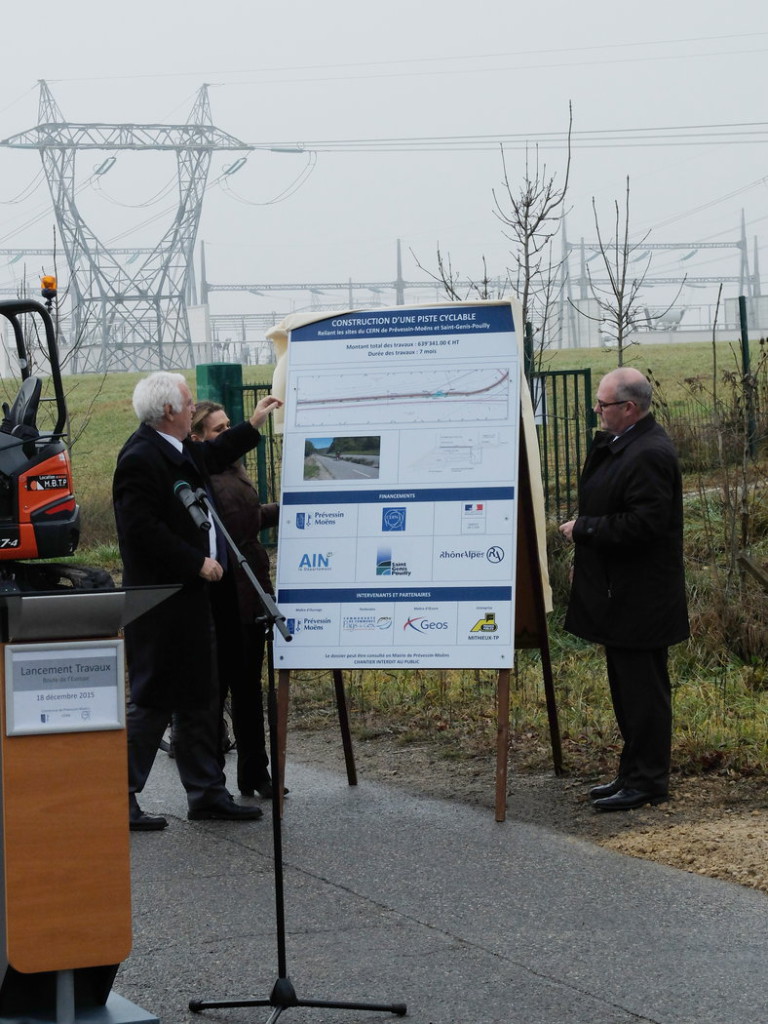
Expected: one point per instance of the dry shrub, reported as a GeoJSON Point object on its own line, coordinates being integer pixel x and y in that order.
{"type": "Point", "coordinates": [726, 624]}
{"type": "Point", "coordinates": [97, 520]}
{"type": "Point", "coordinates": [758, 513]}
{"type": "Point", "coordinates": [701, 446]}
{"type": "Point", "coordinates": [560, 561]}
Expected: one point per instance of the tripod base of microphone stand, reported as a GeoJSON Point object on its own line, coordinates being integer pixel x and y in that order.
{"type": "Point", "coordinates": [283, 996]}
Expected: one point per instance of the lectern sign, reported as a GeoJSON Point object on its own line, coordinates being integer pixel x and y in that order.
{"type": "Point", "coordinates": [64, 687]}
{"type": "Point", "coordinates": [398, 529]}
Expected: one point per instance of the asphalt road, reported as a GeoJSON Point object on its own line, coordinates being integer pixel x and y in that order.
{"type": "Point", "coordinates": [343, 469]}
{"type": "Point", "coordinates": [392, 898]}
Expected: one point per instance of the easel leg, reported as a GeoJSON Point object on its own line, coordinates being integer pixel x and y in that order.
{"type": "Point", "coordinates": [549, 692]}
{"type": "Point", "coordinates": [502, 744]}
{"type": "Point", "coordinates": [346, 736]}
{"type": "Point", "coordinates": [528, 556]}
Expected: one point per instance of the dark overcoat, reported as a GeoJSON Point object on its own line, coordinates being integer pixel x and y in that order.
{"type": "Point", "coordinates": [245, 517]}
{"type": "Point", "coordinates": [628, 583]}
{"type": "Point", "coordinates": [169, 648]}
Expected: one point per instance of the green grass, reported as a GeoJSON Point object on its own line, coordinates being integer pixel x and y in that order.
{"type": "Point", "coordinates": [720, 722]}
{"type": "Point", "coordinates": [672, 365]}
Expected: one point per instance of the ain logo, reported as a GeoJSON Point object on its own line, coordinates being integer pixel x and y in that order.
{"type": "Point", "coordinates": [315, 561]}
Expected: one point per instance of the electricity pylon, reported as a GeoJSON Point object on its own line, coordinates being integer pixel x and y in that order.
{"type": "Point", "coordinates": [127, 319]}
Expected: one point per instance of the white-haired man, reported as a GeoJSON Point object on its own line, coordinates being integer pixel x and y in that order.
{"type": "Point", "coordinates": [171, 649]}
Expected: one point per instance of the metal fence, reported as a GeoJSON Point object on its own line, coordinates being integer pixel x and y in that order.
{"type": "Point", "coordinates": [263, 462]}
{"type": "Point", "coordinates": [562, 402]}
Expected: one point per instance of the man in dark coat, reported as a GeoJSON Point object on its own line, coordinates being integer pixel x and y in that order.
{"type": "Point", "coordinates": [628, 590]}
{"type": "Point", "coordinates": [170, 650]}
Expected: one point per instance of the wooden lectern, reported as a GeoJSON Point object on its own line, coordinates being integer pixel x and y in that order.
{"type": "Point", "coordinates": [65, 902]}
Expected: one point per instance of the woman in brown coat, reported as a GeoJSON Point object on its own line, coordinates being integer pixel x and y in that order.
{"type": "Point", "coordinates": [241, 644]}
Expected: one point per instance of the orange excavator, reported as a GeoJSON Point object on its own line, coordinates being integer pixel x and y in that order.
{"type": "Point", "coordinates": [39, 514]}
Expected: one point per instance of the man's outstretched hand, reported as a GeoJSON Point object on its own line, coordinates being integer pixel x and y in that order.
{"type": "Point", "coordinates": [263, 409]}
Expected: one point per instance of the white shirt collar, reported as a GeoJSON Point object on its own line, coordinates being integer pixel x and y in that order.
{"type": "Point", "coordinates": [172, 440]}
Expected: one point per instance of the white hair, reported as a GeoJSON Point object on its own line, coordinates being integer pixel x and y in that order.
{"type": "Point", "coordinates": [153, 393]}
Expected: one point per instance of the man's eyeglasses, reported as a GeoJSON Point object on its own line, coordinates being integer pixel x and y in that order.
{"type": "Point", "coordinates": [605, 405]}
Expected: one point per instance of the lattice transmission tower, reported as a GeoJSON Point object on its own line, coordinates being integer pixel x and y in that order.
{"type": "Point", "coordinates": [128, 318]}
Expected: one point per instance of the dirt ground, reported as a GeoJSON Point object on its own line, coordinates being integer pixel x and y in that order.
{"type": "Point", "coordinates": [713, 825]}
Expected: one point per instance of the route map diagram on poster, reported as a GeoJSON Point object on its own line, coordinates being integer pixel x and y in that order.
{"type": "Point", "coordinates": [398, 515]}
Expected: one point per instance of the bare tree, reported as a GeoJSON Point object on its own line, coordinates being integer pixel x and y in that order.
{"type": "Point", "coordinates": [618, 300]}
{"type": "Point", "coordinates": [463, 289]}
{"type": "Point", "coordinates": [531, 216]}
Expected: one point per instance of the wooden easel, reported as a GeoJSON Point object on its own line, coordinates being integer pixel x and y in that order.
{"type": "Point", "coordinates": [530, 633]}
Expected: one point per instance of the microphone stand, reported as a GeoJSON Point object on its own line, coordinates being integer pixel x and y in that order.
{"type": "Point", "coordinates": [283, 994]}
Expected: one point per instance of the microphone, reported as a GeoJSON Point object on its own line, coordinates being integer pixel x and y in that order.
{"type": "Point", "coordinates": [189, 500]}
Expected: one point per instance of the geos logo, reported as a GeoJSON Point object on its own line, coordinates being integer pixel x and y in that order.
{"type": "Point", "coordinates": [424, 625]}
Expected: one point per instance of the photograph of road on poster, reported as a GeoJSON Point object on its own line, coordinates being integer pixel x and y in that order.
{"type": "Point", "coordinates": [341, 458]}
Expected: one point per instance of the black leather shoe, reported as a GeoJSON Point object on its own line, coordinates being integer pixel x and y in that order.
{"type": "Point", "coordinates": [606, 789]}
{"type": "Point", "coordinates": [225, 810]}
{"type": "Point", "coordinates": [140, 822]}
{"type": "Point", "coordinates": [628, 799]}
{"type": "Point", "coordinates": [263, 788]}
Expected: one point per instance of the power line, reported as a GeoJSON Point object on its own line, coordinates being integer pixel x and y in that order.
{"type": "Point", "coordinates": [453, 60]}
{"type": "Point", "coordinates": [745, 132]}
{"type": "Point", "coordinates": [453, 72]}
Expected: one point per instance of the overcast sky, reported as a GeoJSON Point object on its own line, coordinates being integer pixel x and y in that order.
{"type": "Point", "coordinates": [318, 74]}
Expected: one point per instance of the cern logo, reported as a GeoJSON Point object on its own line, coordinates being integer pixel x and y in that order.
{"type": "Point", "coordinates": [393, 520]}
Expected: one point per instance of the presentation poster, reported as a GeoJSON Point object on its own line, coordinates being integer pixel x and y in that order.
{"type": "Point", "coordinates": [398, 519]}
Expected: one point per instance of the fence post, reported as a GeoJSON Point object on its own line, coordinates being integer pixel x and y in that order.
{"type": "Point", "coordinates": [528, 351]}
{"type": "Point", "coordinates": [222, 383]}
{"type": "Point", "coordinates": [264, 476]}
{"type": "Point", "coordinates": [747, 376]}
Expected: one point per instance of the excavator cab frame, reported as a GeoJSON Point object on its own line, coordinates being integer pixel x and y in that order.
{"type": "Point", "coordinates": [39, 515]}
